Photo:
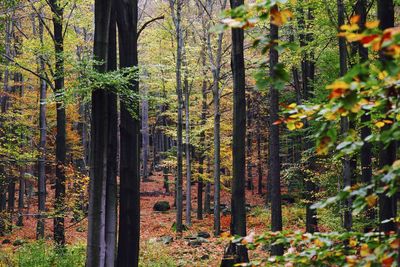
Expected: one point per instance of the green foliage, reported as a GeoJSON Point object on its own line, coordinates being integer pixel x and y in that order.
{"type": "Point", "coordinates": [41, 254]}
{"type": "Point", "coordinates": [155, 255]}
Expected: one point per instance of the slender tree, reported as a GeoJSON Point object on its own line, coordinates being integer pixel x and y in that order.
{"type": "Point", "coordinates": [176, 13]}
{"type": "Point", "coordinates": [61, 145]}
{"type": "Point", "coordinates": [387, 205]}
{"type": "Point", "coordinates": [42, 143]}
{"type": "Point", "coordinates": [274, 159]}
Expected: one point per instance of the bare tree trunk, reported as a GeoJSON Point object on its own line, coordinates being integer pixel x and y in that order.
{"type": "Point", "coordinates": [61, 147]}
{"type": "Point", "coordinates": [274, 146]}
{"type": "Point", "coordinates": [112, 152]}
{"type": "Point", "coordinates": [176, 9]}
{"type": "Point", "coordinates": [96, 243]}
{"type": "Point", "coordinates": [21, 194]}
{"type": "Point", "coordinates": [238, 196]}
{"type": "Point", "coordinates": [387, 205]}
{"type": "Point", "coordinates": [348, 168]}
{"type": "Point", "coordinates": [188, 146]}
{"type": "Point", "coordinates": [129, 215]}
{"type": "Point", "coordinates": [42, 143]}
{"type": "Point", "coordinates": [145, 135]}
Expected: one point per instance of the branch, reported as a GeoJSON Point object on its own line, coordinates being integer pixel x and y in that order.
{"type": "Point", "coordinates": [147, 24]}
{"type": "Point", "coordinates": [26, 69]}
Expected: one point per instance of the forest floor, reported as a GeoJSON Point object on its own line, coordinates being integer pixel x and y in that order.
{"type": "Point", "coordinates": [157, 226]}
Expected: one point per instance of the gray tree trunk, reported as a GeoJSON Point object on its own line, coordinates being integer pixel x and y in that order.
{"type": "Point", "coordinates": [176, 9]}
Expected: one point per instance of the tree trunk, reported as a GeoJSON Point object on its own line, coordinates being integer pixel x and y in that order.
{"type": "Point", "coordinates": [21, 194]}
{"type": "Point", "coordinates": [145, 136]}
{"type": "Point", "coordinates": [96, 244]}
{"type": "Point", "coordinates": [259, 161]}
{"type": "Point", "coordinates": [387, 205]}
{"type": "Point", "coordinates": [274, 169]}
{"type": "Point", "coordinates": [129, 215]}
{"type": "Point", "coordinates": [207, 192]}
{"type": "Point", "coordinates": [42, 144]}
{"type": "Point", "coordinates": [176, 14]}
{"type": "Point", "coordinates": [249, 140]}
{"type": "Point", "coordinates": [187, 153]}
{"type": "Point", "coordinates": [61, 147]}
{"type": "Point", "coordinates": [366, 149]}
{"type": "Point", "coordinates": [345, 125]}
{"type": "Point", "coordinates": [238, 200]}
{"type": "Point", "coordinates": [112, 152]}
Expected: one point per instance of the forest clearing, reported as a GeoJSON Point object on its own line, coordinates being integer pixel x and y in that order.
{"type": "Point", "coordinates": [199, 133]}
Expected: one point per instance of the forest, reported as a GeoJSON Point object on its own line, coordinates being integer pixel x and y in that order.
{"type": "Point", "coordinates": [199, 133]}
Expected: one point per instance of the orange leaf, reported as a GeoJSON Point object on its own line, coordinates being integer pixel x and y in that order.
{"type": "Point", "coordinates": [355, 19]}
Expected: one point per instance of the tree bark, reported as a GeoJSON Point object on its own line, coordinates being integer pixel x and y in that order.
{"type": "Point", "coordinates": [61, 146]}
{"type": "Point", "coordinates": [238, 200]}
{"type": "Point", "coordinates": [176, 14]}
{"type": "Point", "coordinates": [42, 143]}
{"type": "Point", "coordinates": [387, 205]}
{"type": "Point", "coordinates": [129, 215]}
{"type": "Point", "coordinates": [274, 148]}
{"type": "Point", "coordinates": [112, 152]}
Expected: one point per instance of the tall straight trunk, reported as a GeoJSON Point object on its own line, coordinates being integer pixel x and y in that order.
{"type": "Point", "coordinates": [187, 152]}
{"type": "Point", "coordinates": [176, 14]}
{"type": "Point", "coordinates": [217, 161]}
{"type": "Point", "coordinates": [387, 205]}
{"type": "Point", "coordinates": [203, 122]}
{"type": "Point", "coordinates": [207, 191]}
{"type": "Point", "coordinates": [308, 88]}
{"type": "Point", "coordinates": [96, 244]}
{"type": "Point", "coordinates": [145, 136]}
{"type": "Point", "coordinates": [61, 145]}
{"type": "Point", "coordinates": [274, 165]}
{"type": "Point", "coordinates": [42, 143]}
{"type": "Point", "coordinates": [11, 202]}
{"type": "Point", "coordinates": [112, 152]}
{"type": "Point", "coordinates": [21, 195]}
{"type": "Point", "coordinates": [366, 149]}
{"type": "Point", "coordinates": [238, 223]}
{"type": "Point", "coordinates": [249, 140]}
{"type": "Point", "coordinates": [345, 125]}
{"type": "Point", "coordinates": [129, 215]}
{"type": "Point", "coordinates": [259, 161]}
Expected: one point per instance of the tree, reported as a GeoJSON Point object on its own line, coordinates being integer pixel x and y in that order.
{"type": "Point", "coordinates": [129, 214]}
{"type": "Point", "coordinates": [96, 245]}
{"type": "Point", "coordinates": [238, 200]}
{"type": "Point", "coordinates": [42, 144]}
{"type": "Point", "coordinates": [388, 155]}
{"type": "Point", "coordinates": [274, 164]}
{"type": "Point", "coordinates": [61, 147]}
{"type": "Point", "coordinates": [176, 11]}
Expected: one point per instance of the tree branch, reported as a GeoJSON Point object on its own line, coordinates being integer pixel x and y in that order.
{"type": "Point", "coordinates": [147, 23]}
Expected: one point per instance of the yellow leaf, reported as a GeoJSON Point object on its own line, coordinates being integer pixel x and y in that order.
{"type": "Point", "coordinates": [299, 125]}
{"type": "Point", "coordinates": [353, 242]}
{"type": "Point", "coordinates": [291, 126]}
{"type": "Point", "coordinates": [380, 124]}
{"type": "Point", "coordinates": [319, 243]}
{"type": "Point", "coordinates": [349, 28]}
{"type": "Point", "coordinates": [371, 200]}
{"type": "Point", "coordinates": [382, 75]}
{"type": "Point", "coordinates": [372, 24]}
{"type": "Point", "coordinates": [293, 105]}
{"type": "Point", "coordinates": [364, 250]}
{"type": "Point", "coordinates": [338, 85]}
